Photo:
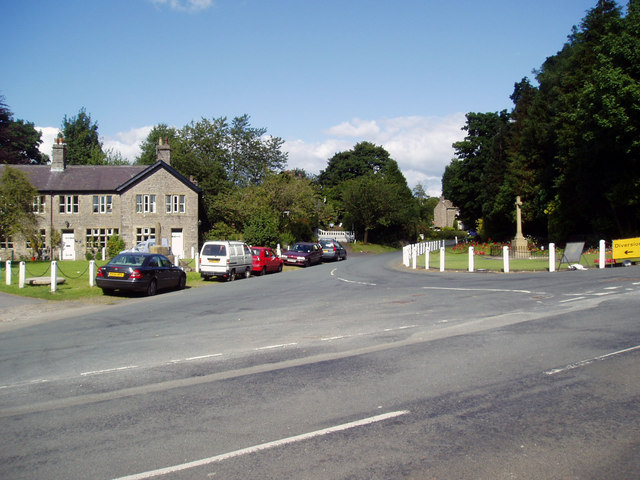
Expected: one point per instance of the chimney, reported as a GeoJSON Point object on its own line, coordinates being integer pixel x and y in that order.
{"type": "Point", "coordinates": [163, 151]}
{"type": "Point", "coordinates": [59, 156]}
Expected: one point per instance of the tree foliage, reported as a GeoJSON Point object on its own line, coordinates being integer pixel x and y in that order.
{"type": "Point", "coordinates": [571, 145]}
{"type": "Point", "coordinates": [19, 140]}
{"type": "Point", "coordinates": [81, 136]}
{"type": "Point", "coordinates": [16, 205]}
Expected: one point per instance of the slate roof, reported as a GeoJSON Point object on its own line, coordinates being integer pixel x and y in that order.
{"type": "Point", "coordinates": [92, 178]}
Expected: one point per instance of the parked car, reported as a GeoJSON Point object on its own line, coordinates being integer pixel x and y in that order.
{"type": "Point", "coordinates": [265, 261]}
{"type": "Point", "coordinates": [332, 250]}
{"type": "Point", "coordinates": [225, 259]}
{"type": "Point", "coordinates": [140, 272]}
{"type": "Point", "coordinates": [303, 253]}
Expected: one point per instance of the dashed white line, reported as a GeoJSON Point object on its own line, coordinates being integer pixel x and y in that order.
{"type": "Point", "coordinates": [264, 446]}
{"type": "Point", "coordinates": [572, 299]}
{"type": "Point", "coordinates": [108, 370]}
{"type": "Point", "coordinates": [483, 290]}
{"type": "Point", "coordinates": [591, 360]}
{"type": "Point", "coordinates": [202, 357]}
{"type": "Point", "coordinates": [282, 345]}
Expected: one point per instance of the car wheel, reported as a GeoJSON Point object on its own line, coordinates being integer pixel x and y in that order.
{"type": "Point", "coordinates": [232, 276]}
{"type": "Point", "coordinates": [307, 263]}
{"type": "Point", "coordinates": [107, 291]}
{"type": "Point", "coordinates": [247, 273]}
{"type": "Point", "coordinates": [182, 283]}
{"type": "Point", "coordinates": [152, 288]}
{"type": "Point", "coordinates": [279, 268]}
{"type": "Point", "coordinates": [263, 271]}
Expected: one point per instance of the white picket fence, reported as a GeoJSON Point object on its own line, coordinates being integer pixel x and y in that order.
{"type": "Point", "coordinates": [339, 235]}
{"type": "Point", "coordinates": [415, 249]}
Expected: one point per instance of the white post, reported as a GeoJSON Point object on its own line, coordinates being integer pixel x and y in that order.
{"type": "Point", "coordinates": [8, 275]}
{"type": "Point", "coordinates": [471, 259]}
{"type": "Point", "coordinates": [414, 256]}
{"type": "Point", "coordinates": [193, 252]}
{"type": "Point", "coordinates": [552, 257]}
{"type": "Point", "coordinates": [54, 276]}
{"type": "Point", "coordinates": [426, 259]}
{"type": "Point", "coordinates": [442, 259]}
{"type": "Point", "coordinates": [601, 260]}
{"type": "Point", "coordinates": [92, 273]}
{"type": "Point", "coordinates": [104, 253]}
{"type": "Point", "coordinates": [278, 250]}
{"type": "Point", "coordinates": [197, 262]}
{"type": "Point", "coordinates": [505, 258]}
{"type": "Point", "coordinates": [176, 260]}
{"type": "Point", "coordinates": [22, 275]}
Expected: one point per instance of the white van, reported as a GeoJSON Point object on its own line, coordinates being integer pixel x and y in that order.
{"type": "Point", "coordinates": [226, 259]}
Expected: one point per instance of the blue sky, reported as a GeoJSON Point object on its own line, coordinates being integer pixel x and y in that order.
{"type": "Point", "coordinates": [322, 75]}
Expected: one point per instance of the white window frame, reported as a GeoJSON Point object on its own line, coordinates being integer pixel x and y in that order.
{"type": "Point", "coordinates": [145, 203]}
{"type": "Point", "coordinates": [145, 233]}
{"type": "Point", "coordinates": [69, 204]}
{"type": "Point", "coordinates": [103, 204]}
{"type": "Point", "coordinates": [175, 204]}
{"type": "Point", "coordinates": [39, 203]}
{"type": "Point", "coordinates": [98, 237]}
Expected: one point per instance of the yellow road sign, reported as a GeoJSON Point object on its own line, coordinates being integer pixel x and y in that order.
{"type": "Point", "coordinates": [626, 248]}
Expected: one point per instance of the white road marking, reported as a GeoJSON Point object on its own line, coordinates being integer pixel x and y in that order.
{"type": "Point", "coordinates": [483, 290]}
{"type": "Point", "coordinates": [572, 299]}
{"type": "Point", "coordinates": [108, 370]}
{"type": "Point", "coordinates": [282, 345]}
{"type": "Point", "coordinates": [611, 288]}
{"type": "Point", "coordinates": [203, 356]}
{"type": "Point", "coordinates": [264, 446]}
{"type": "Point", "coordinates": [591, 360]}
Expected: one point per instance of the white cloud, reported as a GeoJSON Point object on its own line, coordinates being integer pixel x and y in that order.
{"type": "Point", "coordinates": [422, 146]}
{"type": "Point", "coordinates": [190, 6]}
{"type": "Point", "coordinates": [49, 135]}
{"type": "Point", "coordinates": [127, 143]}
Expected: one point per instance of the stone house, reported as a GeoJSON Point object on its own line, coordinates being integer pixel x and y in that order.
{"type": "Point", "coordinates": [87, 204]}
{"type": "Point", "coordinates": [444, 214]}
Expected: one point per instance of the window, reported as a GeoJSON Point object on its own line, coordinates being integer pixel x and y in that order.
{"type": "Point", "coordinates": [68, 204]}
{"type": "Point", "coordinates": [145, 233]}
{"type": "Point", "coordinates": [102, 204]}
{"type": "Point", "coordinates": [39, 202]}
{"type": "Point", "coordinates": [6, 242]}
{"type": "Point", "coordinates": [145, 203]}
{"type": "Point", "coordinates": [98, 237]}
{"type": "Point", "coordinates": [175, 203]}
{"type": "Point", "coordinates": [43, 238]}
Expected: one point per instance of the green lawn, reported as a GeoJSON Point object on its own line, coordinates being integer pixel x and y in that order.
{"type": "Point", "coordinates": [460, 262]}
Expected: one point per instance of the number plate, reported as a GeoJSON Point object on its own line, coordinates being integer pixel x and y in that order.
{"type": "Point", "coordinates": [116, 274]}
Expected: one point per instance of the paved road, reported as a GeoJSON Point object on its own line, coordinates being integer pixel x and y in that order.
{"type": "Point", "coordinates": [358, 369]}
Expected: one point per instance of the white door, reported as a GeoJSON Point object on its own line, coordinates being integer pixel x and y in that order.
{"type": "Point", "coordinates": [177, 243]}
{"type": "Point", "coordinates": [68, 247]}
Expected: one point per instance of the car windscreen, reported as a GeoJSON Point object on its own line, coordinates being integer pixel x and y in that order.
{"type": "Point", "coordinates": [255, 252]}
{"type": "Point", "coordinates": [214, 250]}
{"type": "Point", "coordinates": [128, 259]}
{"type": "Point", "coordinates": [301, 248]}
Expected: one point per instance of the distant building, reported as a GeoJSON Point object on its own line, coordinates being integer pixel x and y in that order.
{"type": "Point", "coordinates": [444, 214]}
{"type": "Point", "coordinates": [88, 204]}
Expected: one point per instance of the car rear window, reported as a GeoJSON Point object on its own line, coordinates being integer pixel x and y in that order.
{"type": "Point", "coordinates": [214, 250]}
{"type": "Point", "coordinates": [124, 259]}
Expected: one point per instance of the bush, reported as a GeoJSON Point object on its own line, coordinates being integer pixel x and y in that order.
{"type": "Point", "coordinates": [114, 245]}
{"type": "Point", "coordinates": [447, 233]}
{"type": "Point", "coordinates": [262, 229]}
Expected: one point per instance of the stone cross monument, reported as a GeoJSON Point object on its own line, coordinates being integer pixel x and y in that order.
{"type": "Point", "coordinates": [519, 243]}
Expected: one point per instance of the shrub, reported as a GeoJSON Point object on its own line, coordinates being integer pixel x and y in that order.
{"type": "Point", "coordinates": [114, 245]}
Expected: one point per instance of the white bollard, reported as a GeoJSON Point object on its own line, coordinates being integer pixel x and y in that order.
{"type": "Point", "coordinates": [8, 275]}
{"type": "Point", "coordinates": [442, 259]}
{"type": "Point", "coordinates": [601, 258]}
{"type": "Point", "coordinates": [471, 259]}
{"type": "Point", "coordinates": [426, 259]}
{"type": "Point", "coordinates": [193, 252]}
{"type": "Point", "coordinates": [552, 257]}
{"type": "Point", "coordinates": [505, 258]}
{"type": "Point", "coordinates": [414, 256]}
{"type": "Point", "coordinates": [104, 253]}
{"type": "Point", "coordinates": [54, 276]}
{"type": "Point", "coordinates": [197, 260]}
{"type": "Point", "coordinates": [278, 250]}
{"type": "Point", "coordinates": [22, 275]}
{"type": "Point", "coordinates": [92, 273]}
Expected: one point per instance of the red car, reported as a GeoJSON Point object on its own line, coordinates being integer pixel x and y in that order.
{"type": "Point", "coordinates": [265, 260]}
